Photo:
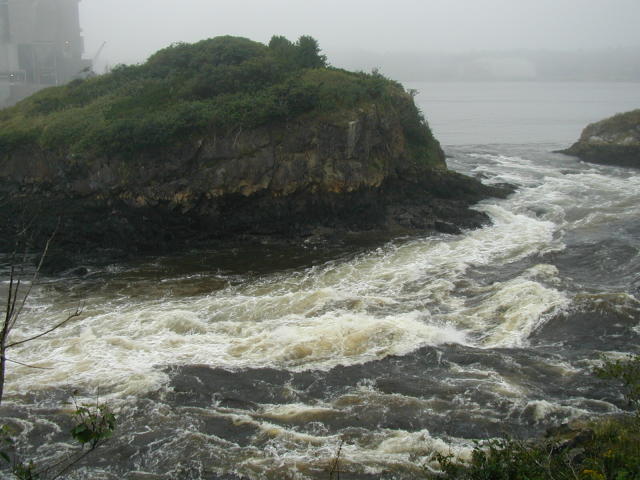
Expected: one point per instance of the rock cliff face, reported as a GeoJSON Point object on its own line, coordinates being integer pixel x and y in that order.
{"type": "Point", "coordinates": [613, 141]}
{"type": "Point", "coordinates": [287, 179]}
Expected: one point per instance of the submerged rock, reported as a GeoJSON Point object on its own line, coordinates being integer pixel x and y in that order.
{"type": "Point", "coordinates": [295, 151]}
{"type": "Point", "coordinates": [613, 141]}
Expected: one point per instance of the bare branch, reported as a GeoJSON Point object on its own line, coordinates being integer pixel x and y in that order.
{"type": "Point", "coordinates": [37, 272]}
{"type": "Point", "coordinates": [71, 462]}
{"type": "Point", "coordinates": [25, 365]}
{"type": "Point", "coordinates": [7, 315]}
{"type": "Point", "coordinates": [75, 314]}
{"type": "Point", "coordinates": [12, 312]}
{"type": "Point", "coordinates": [24, 230]}
{"type": "Point", "coordinates": [335, 464]}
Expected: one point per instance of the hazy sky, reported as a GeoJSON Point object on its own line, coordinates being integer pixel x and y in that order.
{"type": "Point", "coordinates": [133, 29]}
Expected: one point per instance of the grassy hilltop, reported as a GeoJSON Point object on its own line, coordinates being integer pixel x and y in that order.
{"type": "Point", "coordinates": [221, 84]}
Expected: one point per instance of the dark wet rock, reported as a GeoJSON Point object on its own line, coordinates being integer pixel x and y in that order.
{"type": "Point", "coordinates": [613, 141]}
{"type": "Point", "coordinates": [201, 385]}
{"type": "Point", "coordinates": [236, 432]}
{"type": "Point", "coordinates": [78, 272]}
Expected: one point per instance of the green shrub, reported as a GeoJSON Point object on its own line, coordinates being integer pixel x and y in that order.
{"type": "Point", "coordinates": [610, 450]}
{"type": "Point", "coordinates": [606, 449]}
{"type": "Point", "coordinates": [628, 372]}
{"type": "Point", "coordinates": [224, 83]}
{"type": "Point", "coordinates": [94, 424]}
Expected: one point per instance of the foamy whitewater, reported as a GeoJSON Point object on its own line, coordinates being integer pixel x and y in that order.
{"type": "Point", "coordinates": [261, 361]}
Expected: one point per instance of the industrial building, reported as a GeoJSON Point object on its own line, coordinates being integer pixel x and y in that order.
{"type": "Point", "coordinates": [40, 46]}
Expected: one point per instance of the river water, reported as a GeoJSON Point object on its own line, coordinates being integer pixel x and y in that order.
{"type": "Point", "coordinates": [260, 360]}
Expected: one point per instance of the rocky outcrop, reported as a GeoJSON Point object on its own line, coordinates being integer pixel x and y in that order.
{"type": "Point", "coordinates": [222, 139]}
{"type": "Point", "coordinates": [613, 141]}
{"type": "Point", "coordinates": [355, 172]}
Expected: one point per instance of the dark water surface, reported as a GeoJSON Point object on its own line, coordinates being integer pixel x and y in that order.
{"type": "Point", "coordinates": [260, 360]}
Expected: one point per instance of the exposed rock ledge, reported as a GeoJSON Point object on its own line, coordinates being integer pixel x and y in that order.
{"type": "Point", "coordinates": [613, 141]}
{"type": "Point", "coordinates": [278, 180]}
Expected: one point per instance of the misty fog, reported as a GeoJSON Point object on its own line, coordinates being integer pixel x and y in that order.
{"type": "Point", "coordinates": [407, 39]}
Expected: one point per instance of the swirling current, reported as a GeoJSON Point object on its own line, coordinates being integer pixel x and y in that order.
{"type": "Point", "coordinates": [260, 360]}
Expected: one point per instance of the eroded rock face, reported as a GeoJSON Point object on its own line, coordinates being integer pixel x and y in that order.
{"type": "Point", "coordinates": [613, 141]}
{"type": "Point", "coordinates": [278, 160]}
{"type": "Point", "coordinates": [356, 173]}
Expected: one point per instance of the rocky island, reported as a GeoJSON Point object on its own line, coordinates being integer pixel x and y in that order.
{"type": "Point", "coordinates": [613, 141]}
{"type": "Point", "coordinates": [224, 138]}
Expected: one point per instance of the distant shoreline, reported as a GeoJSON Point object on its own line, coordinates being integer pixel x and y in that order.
{"type": "Point", "coordinates": [610, 65]}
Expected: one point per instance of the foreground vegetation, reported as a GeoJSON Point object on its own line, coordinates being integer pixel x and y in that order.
{"type": "Point", "coordinates": [93, 424]}
{"type": "Point", "coordinates": [608, 449]}
{"type": "Point", "coordinates": [222, 84]}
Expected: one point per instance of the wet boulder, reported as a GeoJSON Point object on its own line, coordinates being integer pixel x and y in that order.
{"type": "Point", "coordinates": [613, 141]}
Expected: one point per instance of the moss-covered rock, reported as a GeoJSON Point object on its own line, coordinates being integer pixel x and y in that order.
{"type": "Point", "coordinates": [613, 141]}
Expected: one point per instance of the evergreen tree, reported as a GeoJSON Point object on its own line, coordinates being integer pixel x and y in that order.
{"type": "Point", "coordinates": [308, 54]}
